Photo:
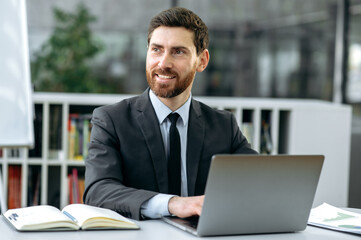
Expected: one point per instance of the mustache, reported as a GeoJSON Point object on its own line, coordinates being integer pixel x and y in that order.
{"type": "Point", "coordinates": [164, 72]}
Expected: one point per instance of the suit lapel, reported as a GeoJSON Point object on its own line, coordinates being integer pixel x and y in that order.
{"type": "Point", "coordinates": [196, 131]}
{"type": "Point", "coordinates": [147, 121]}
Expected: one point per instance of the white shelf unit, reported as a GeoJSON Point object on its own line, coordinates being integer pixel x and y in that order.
{"type": "Point", "coordinates": [295, 126]}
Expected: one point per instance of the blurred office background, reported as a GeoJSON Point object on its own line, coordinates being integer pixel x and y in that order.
{"type": "Point", "coordinates": [259, 48]}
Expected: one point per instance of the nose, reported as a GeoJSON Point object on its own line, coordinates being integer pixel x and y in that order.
{"type": "Point", "coordinates": [165, 61]}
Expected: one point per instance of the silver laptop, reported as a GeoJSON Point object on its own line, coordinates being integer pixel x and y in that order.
{"type": "Point", "coordinates": [250, 194]}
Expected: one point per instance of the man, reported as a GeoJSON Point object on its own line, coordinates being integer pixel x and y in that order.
{"type": "Point", "coordinates": [130, 166]}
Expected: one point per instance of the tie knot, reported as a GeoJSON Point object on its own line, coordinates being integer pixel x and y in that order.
{"type": "Point", "coordinates": [173, 117]}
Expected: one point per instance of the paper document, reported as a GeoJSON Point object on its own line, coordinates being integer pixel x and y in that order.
{"type": "Point", "coordinates": [334, 218]}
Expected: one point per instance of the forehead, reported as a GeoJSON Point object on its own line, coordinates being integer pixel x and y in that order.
{"type": "Point", "coordinates": [172, 36]}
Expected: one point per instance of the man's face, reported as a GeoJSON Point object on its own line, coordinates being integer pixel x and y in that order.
{"type": "Point", "coordinates": [172, 61]}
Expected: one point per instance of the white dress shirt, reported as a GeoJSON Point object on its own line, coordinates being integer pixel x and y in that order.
{"type": "Point", "coordinates": [157, 206]}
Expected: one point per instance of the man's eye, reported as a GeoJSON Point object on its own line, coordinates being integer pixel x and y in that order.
{"type": "Point", "coordinates": [178, 52]}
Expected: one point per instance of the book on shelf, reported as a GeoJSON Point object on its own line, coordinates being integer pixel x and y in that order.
{"type": "Point", "coordinates": [75, 183]}
{"type": "Point", "coordinates": [79, 128]}
{"type": "Point", "coordinates": [71, 135]}
{"type": "Point", "coordinates": [330, 217]}
{"type": "Point", "coordinates": [14, 186]}
{"type": "Point", "coordinates": [76, 187]}
{"type": "Point", "coordinates": [70, 189]}
{"type": "Point", "coordinates": [71, 217]}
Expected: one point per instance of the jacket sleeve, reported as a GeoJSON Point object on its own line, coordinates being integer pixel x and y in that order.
{"type": "Point", "coordinates": [103, 175]}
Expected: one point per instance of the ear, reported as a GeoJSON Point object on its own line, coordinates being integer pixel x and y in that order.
{"type": "Point", "coordinates": [203, 60]}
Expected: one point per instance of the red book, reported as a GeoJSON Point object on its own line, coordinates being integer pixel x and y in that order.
{"type": "Point", "coordinates": [76, 195]}
{"type": "Point", "coordinates": [70, 190]}
{"type": "Point", "coordinates": [18, 187]}
{"type": "Point", "coordinates": [10, 187]}
{"type": "Point", "coordinates": [14, 190]}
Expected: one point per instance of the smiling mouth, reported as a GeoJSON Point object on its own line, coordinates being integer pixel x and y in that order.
{"type": "Point", "coordinates": [165, 76]}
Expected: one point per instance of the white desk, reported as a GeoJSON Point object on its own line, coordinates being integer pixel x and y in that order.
{"type": "Point", "coordinates": [156, 229]}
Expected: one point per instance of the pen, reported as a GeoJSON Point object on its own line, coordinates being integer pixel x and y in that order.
{"type": "Point", "coordinates": [70, 216]}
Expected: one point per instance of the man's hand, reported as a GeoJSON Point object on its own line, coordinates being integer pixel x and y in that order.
{"type": "Point", "coordinates": [186, 206]}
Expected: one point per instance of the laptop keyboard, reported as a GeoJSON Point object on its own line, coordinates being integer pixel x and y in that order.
{"type": "Point", "coordinates": [191, 222]}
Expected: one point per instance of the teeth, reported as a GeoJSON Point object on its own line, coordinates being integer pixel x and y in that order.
{"type": "Point", "coordinates": [163, 76]}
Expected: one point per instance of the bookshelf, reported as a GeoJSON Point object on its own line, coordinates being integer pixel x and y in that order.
{"type": "Point", "coordinates": [273, 126]}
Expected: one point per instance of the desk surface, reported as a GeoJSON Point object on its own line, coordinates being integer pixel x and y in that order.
{"type": "Point", "coordinates": [156, 229]}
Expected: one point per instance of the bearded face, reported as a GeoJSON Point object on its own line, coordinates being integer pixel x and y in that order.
{"type": "Point", "coordinates": [172, 61]}
{"type": "Point", "coordinates": [172, 84]}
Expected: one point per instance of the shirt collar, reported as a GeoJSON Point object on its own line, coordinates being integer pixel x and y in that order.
{"type": "Point", "coordinates": [162, 111]}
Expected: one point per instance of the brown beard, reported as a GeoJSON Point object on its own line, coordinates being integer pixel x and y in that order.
{"type": "Point", "coordinates": [164, 90]}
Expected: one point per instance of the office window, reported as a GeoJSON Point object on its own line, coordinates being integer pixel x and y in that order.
{"type": "Point", "coordinates": [274, 48]}
{"type": "Point", "coordinates": [269, 48]}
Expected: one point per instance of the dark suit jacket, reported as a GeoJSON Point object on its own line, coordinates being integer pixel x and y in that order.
{"type": "Point", "coordinates": [126, 163]}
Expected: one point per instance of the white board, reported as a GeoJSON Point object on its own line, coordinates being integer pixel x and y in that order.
{"type": "Point", "coordinates": [16, 109]}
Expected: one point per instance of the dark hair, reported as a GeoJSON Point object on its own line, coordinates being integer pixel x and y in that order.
{"type": "Point", "coordinates": [182, 17]}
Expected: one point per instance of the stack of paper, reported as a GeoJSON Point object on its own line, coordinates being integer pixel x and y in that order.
{"type": "Point", "coordinates": [334, 218]}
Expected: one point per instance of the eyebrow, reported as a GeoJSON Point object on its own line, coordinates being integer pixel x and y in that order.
{"type": "Point", "coordinates": [174, 47]}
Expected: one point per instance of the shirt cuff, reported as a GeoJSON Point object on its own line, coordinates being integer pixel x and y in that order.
{"type": "Point", "coordinates": [156, 207]}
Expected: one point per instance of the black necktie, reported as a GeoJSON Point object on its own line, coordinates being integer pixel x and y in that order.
{"type": "Point", "coordinates": [174, 160]}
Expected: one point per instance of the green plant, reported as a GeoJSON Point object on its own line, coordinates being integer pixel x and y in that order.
{"type": "Point", "coordinates": [62, 63]}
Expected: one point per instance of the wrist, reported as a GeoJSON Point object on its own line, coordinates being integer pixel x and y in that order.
{"type": "Point", "coordinates": [171, 204]}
